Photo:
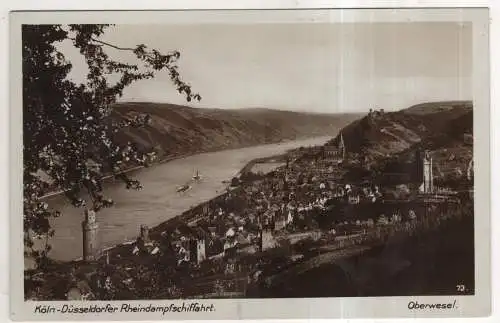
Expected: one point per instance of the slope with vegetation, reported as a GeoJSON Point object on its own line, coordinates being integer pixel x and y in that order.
{"type": "Point", "coordinates": [392, 140]}
{"type": "Point", "coordinates": [178, 130]}
{"type": "Point", "coordinates": [432, 125]}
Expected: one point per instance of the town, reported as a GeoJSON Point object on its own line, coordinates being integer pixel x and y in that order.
{"type": "Point", "coordinates": [282, 215]}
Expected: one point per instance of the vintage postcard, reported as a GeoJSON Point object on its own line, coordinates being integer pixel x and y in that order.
{"type": "Point", "coordinates": [245, 164]}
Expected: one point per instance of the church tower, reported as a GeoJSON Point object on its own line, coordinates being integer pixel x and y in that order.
{"type": "Point", "coordinates": [428, 185]}
{"type": "Point", "coordinates": [341, 146]}
{"type": "Point", "coordinates": [89, 228]}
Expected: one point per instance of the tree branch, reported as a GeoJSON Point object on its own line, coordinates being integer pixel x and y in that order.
{"type": "Point", "coordinates": [111, 45]}
{"type": "Point", "coordinates": [119, 47]}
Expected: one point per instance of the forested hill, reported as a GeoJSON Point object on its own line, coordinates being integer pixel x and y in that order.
{"type": "Point", "coordinates": [395, 138]}
{"type": "Point", "coordinates": [431, 125]}
{"type": "Point", "coordinates": [176, 130]}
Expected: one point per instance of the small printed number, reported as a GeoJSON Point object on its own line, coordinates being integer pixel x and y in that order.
{"type": "Point", "coordinates": [461, 288]}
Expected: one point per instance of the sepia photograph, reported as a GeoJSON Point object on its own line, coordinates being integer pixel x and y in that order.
{"type": "Point", "coordinates": [238, 157]}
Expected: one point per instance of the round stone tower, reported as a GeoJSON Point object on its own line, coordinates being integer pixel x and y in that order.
{"type": "Point", "coordinates": [428, 175]}
{"type": "Point", "coordinates": [145, 233]}
{"type": "Point", "coordinates": [89, 228]}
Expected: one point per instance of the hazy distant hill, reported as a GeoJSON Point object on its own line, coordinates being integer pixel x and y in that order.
{"type": "Point", "coordinates": [176, 129]}
{"type": "Point", "coordinates": [440, 106]}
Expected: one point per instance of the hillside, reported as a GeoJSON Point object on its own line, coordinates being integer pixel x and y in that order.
{"type": "Point", "coordinates": [391, 140]}
{"type": "Point", "coordinates": [430, 126]}
{"type": "Point", "coordinates": [178, 130]}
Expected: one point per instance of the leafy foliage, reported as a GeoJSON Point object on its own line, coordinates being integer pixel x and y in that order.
{"type": "Point", "coordinates": [67, 130]}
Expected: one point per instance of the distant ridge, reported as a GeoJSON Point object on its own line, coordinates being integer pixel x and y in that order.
{"type": "Point", "coordinates": [180, 130]}
{"type": "Point", "coordinates": [439, 106]}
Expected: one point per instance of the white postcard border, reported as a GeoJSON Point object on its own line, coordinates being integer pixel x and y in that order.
{"type": "Point", "coordinates": [467, 306]}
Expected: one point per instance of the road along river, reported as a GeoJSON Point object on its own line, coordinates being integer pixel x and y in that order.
{"type": "Point", "coordinates": [159, 200]}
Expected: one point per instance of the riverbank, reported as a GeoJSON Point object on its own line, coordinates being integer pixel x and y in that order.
{"type": "Point", "coordinates": [130, 170]}
{"type": "Point", "coordinates": [190, 214]}
{"type": "Point", "coordinates": [155, 231]}
{"type": "Point", "coordinates": [159, 200]}
{"type": "Point", "coordinates": [181, 156]}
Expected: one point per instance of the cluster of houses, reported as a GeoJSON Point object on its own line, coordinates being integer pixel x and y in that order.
{"type": "Point", "coordinates": [247, 218]}
{"type": "Point", "coordinates": [282, 200]}
{"type": "Point", "coordinates": [254, 216]}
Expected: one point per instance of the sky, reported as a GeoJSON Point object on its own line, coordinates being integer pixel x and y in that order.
{"type": "Point", "coordinates": [316, 67]}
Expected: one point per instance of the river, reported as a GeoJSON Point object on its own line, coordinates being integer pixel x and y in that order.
{"type": "Point", "coordinates": [158, 201]}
